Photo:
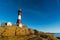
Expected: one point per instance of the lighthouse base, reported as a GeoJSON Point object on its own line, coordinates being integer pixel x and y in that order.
{"type": "Point", "coordinates": [20, 25]}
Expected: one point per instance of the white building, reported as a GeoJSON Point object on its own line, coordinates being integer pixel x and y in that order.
{"type": "Point", "coordinates": [9, 24]}
{"type": "Point", "coordinates": [6, 24]}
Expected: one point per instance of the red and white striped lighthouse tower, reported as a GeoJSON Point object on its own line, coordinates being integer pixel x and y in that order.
{"type": "Point", "coordinates": [19, 18]}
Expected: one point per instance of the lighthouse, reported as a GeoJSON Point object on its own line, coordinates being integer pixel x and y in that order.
{"type": "Point", "coordinates": [19, 23]}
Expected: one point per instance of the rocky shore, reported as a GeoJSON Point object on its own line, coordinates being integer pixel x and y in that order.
{"type": "Point", "coordinates": [24, 33]}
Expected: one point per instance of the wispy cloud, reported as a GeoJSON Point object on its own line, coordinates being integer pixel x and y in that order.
{"type": "Point", "coordinates": [58, 3]}
{"type": "Point", "coordinates": [53, 28]}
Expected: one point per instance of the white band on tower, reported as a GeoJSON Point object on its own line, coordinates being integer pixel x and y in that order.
{"type": "Point", "coordinates": [19, 17]}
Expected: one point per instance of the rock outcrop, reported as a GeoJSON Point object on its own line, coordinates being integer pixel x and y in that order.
{"type": "Point", "coordinates": [24, 33]}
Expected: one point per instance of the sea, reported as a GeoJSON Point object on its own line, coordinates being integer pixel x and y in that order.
{"type": "Point", "coordinates": [57, 35]}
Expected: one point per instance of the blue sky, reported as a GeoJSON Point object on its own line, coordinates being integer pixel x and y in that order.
{"type": "Point", "coordinates": [43, 15]}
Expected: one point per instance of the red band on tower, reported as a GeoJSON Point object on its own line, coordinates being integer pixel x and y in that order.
{"type": "Point", "coordinates": [19, 17]}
